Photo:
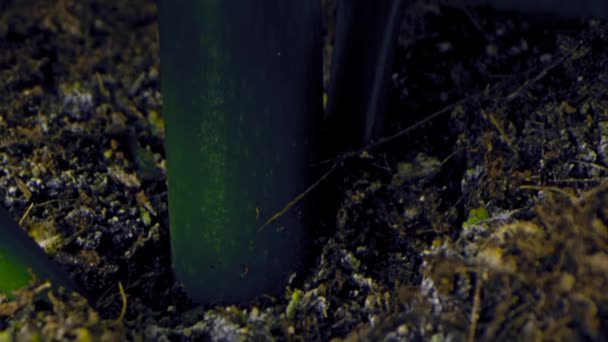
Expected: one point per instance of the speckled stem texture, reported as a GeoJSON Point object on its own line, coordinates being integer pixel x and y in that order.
{"type": "Point", "coordinates": [242, 103]}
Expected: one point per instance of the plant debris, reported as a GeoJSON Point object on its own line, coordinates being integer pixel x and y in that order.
{"type": "Point", "coordinates": [480, 215]}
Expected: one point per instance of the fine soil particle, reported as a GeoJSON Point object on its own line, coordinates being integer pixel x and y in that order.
{"type": "Point", "coordinates": [481, 214]}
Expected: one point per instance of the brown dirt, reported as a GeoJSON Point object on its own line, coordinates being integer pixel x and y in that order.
{"type": "Point", "coordinates": [481, 215]}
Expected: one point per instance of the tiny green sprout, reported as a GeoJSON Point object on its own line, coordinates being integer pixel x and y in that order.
{"type": "Point", "coordinates": [476, 216]}
{"type": "Point", "coordinates": [294, 302]}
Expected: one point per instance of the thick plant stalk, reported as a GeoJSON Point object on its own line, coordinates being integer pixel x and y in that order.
{"type": "Point", "coordinates": [22, 260]}
{"type": "Point", "coordinates": [366, 35]}
{"type": "Point", "coordinates": [242, 103]}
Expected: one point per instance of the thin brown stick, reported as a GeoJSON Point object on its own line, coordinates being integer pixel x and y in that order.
{"type": "Point", "coordinates": [544, 72]}
{"type": "Point", "coordinates": [475, 308]}
{"type": "Point", "coordinates": [298, 198]}
{"type": "Point", "coordinates": [384, 140]}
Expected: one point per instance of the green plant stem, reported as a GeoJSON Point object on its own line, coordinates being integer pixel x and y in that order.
{"type": "Point", "coordinates": [242, 102]}
{"type": "Point", "coordinates": [22, 260]}
{"type": "Point", "coordinates": [366, 34]}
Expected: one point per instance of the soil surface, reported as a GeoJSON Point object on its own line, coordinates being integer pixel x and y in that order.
{"type": "Point", "coordinates": [481, 214]}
